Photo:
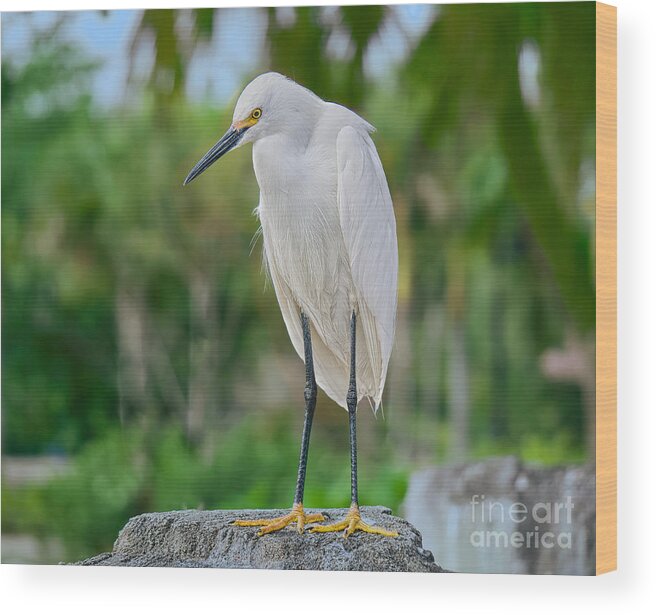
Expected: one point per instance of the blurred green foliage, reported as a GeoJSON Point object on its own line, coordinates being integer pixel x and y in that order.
{"type": "Point", "coordinates": [139, 338]}
{"type": "Point", "coordinates": [128, 471]}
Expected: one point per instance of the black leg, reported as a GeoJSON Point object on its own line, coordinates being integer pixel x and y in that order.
{"type": "Point", "coordinates": [310, 403]}
{"type": "Point", "coordinates": [297, 514]}
{"type": "Point", "coordinates": [352, 404]}
{"type": "Point", "coordinates": [353, 522]}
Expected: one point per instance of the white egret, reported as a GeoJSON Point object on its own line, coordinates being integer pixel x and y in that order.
{"type": "Point", "coordinates": [330, 249]}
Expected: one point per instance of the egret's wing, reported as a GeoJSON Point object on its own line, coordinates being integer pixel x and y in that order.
{"type": "Point", "coordinates": [331, 369]}
{"type": "Point", "coordinates": [369, 230]}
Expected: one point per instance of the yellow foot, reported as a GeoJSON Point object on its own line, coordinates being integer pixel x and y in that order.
{"type": "Point", "coordinates": [297, 514]}
{"type": "Point", "coordinates": [352, 523]}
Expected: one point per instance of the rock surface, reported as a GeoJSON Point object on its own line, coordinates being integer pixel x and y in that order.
{"type": "Point", "coordinates": [193, 538]}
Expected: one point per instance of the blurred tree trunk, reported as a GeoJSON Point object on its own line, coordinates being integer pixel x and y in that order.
{"type": "Point", "coordinates": [136, 404]}
{"type": "Point", "coordinates": [131, 336]}
{"type": "Point", "coordinates": [459, 444]}
{"type": "Point", "coordinates": [458, 374]}
{"type": "Point", "coordinates": [203, 348]}
{"type": "Point", "coordinates": [428, 366]}
{"type": "Point", "coordinates": [399, 387]}
{"type": "Point", "coordinates": [499, 418]}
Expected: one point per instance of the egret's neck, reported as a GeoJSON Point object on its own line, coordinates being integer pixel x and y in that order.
{"type": "Point", "coordinates": [277, 161]}
{"type": "Point", "coordinates": [282, 158]}
{"type": "Point", "coordinates": [298, 120]}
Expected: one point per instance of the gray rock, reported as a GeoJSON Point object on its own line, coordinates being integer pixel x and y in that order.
{"type": "Point", "coordinates": [194, 538]}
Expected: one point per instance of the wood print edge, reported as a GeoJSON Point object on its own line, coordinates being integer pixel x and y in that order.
{"type": "Point", "coordinates": [606, 287]}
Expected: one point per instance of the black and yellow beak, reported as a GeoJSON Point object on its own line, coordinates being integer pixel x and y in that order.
{"type": "Point", "coordinates": [227, 142]}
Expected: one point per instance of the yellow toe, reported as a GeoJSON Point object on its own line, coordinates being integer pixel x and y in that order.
{"type": "Point", "coordinates": [297, 515]}
{"type": "Point", "coordinates": [352, 523]}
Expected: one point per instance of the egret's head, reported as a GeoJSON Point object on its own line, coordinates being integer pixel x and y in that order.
{"type": "Point", "coordinates": [269, 104]}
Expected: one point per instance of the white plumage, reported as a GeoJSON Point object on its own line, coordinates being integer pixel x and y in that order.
{"type": "Point", "coordinates": [328, 226]}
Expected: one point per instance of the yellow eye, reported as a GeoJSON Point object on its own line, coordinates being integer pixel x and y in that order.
{"type": "Point", "coordinates": [257, 114]}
